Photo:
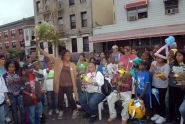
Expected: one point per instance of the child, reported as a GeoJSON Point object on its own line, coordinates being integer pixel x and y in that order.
{"type": "Point", "coordinates": [143, 86]}
{"type": "Point", "coordinates": [33, 92]}
{"type": "Point", "coordinates": [51, 95]}
{"type": "Point", "coordinates": [160, 71]}
{"type": "Point", "coordinates": [14, 84]}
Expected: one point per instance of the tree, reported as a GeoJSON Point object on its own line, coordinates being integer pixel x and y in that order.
{"type": "Point", "coordinates": [14, 53]}
{"type": "Point", "coordinates": [46, 32]}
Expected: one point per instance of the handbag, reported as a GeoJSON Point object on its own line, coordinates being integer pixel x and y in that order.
{"type": "Point", "coordinates": [106, 88]}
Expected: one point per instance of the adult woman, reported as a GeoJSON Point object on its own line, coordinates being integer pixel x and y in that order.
{"type": "Point", "coordinates": [160, 71]}
{"type": "Point", "coordinates": [175, 91]}
{"type": "Point", "coordinates": [127, 57]}
{"type": "Point", "coordinates": [92, 96]}
{"type": "Point", "coordinates": [63, 67]}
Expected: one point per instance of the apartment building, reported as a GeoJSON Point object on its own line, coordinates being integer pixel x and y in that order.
{"type": "Point", "coordinates": [12, 35]}
{"type": "Point", "coordinates": [74, 19]}
{"type": "Point", "coordinates": [142, 24]}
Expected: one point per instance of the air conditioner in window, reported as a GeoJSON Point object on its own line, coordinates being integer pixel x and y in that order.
{"type": "Point", "coordinates": [172, 11]}
{"type": "Point", "coordinates": [132, 18]}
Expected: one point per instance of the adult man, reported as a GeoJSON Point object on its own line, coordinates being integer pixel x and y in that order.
{"type": "Point", "coordinates": [115, 53]}
{"type": "Point", "coordinates": [123, 92]}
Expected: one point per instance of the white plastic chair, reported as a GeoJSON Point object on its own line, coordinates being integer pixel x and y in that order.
{"type": "Point", "coordinates": [182, 120]}
{"type": "Point", "coordinates": [100, 108]}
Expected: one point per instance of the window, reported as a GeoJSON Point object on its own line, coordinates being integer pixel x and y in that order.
{"type": "Point", "coordinates": [22, 44]}
{"type": "Point", "coordinates": [13, 34]}
{"type": "Point", "coordinates": [60, 21]}
{"type": "Point", "coordinates": [85, 44]}
{"type": "Point", "coordinates": [71, 2]}
{"type": "Point", "coordinates": [38, 6]}
{"type": "Point", "coordinates": [6, 35]}
{"type": "Point", "coordinates": [73, 21]}
{"type": "Point", "coordinates": [1, 46]}
{"type": "Point", "coordinates": [84, 19]}
{"type": "Point", "coordinates": [46, 17]}
{"type": "Point", "coordinates": [136, 13]}
{"type": "Point", "coordinates": [13, 44]}
{"type": "Point", "coordinates": [50, 48]}
{"type": "Point", "coordinates": [20, 32]}
{"type": "Point", "coordinates": [60, 18]}
{"type": "Point", "coordinates": [6, 45]}
{"type": "Point", "coordinates": [0, 36]}
{"type": "Point", "coordinates": [171, 7]}
{"type": "Point", "coordinates": [82, 1]}
{"type": "Point", "coordinates": [74, 44]}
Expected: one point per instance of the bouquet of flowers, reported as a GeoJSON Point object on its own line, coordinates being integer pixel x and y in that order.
{"type": "Point", "coordinates": [85, 80]}
{"type": "Point", "coordinates": [120, 76]}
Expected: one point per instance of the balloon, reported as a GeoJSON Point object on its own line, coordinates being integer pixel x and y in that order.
{"type": "Point", "coordinates": [136, 108]}
{"type": "Point", "coordinates": [169, 41]}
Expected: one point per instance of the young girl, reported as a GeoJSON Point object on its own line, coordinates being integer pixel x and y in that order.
{"type": "Point", "coordinates": [12, 80]}
{"type": "Point", "coordinates": [175, 91]}
{"type": "Point", "coordinates": [160, 71]}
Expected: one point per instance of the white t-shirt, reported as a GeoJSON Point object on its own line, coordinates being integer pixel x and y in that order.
{"type": "Point", "coordinates": [48, 79]}
{"type": "Point", "coordinates": [95, 77]}
{"type": "Point", "coordinates": [3, 89]}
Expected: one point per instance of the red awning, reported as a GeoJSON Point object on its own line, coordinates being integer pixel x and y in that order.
{"type": "Point", "coordinates": [160, 31]}
{"type": "Point", "coordinates": [138, 3]}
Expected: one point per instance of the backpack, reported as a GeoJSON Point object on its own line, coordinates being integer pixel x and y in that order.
{"type": "Point", "coordinates": [106, 88]}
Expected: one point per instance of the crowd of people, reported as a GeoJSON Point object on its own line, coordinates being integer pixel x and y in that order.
{"type": "Point", "coordinates": [28, 87]}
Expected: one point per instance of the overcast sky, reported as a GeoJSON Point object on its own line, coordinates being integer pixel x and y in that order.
{"type": "Point", "coordinates": [12, 10]}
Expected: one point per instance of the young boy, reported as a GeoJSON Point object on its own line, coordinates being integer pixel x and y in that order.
{"type": "Point", "coordinates": [143, 86]}
{"type": "Point", "coordinates": [33, 92]}
{"type": "Point", "coordinates": [51, 95]}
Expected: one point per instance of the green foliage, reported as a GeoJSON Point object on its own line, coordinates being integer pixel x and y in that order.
{"type": "Point", "coordinates": [14, 52]}
{"type": "Point", "coordinates": [46, 32]}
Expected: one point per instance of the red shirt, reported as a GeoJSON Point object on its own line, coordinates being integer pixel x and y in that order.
{"type": "Point", "coordinates": [128, 81]}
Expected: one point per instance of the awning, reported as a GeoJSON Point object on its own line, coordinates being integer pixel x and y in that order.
{"type": "Point", "coordinates": [178, 29]}
{"type": "Point", "coordinates": [138, 3]}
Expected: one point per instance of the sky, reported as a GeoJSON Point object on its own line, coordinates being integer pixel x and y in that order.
{"type": "Point", "coordinates": [13, 10]}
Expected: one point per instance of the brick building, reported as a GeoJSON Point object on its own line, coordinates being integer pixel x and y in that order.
{"type": "Point", "coordinates": [12, 35]}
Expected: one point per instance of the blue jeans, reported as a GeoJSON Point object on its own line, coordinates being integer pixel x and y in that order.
{"type": "Point", "coordinates": [16, 107]}
{"type": "Point", "coordinates": [34, 113]}
{"type": "Point", "coordinates": [182, 109]}
{"type": "Point", "coordinates": [90, 101]}
{"type": "Point", "coordinates": [2, 115]}
{"type": "Point", "coordinates": [52, 98]}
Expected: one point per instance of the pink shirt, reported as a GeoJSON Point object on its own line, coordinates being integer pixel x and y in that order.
{"type": "Point", "coordinates": [127, 61]}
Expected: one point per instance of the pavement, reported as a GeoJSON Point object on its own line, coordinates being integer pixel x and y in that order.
{"type": "Point", "coordinates": [67, 119]}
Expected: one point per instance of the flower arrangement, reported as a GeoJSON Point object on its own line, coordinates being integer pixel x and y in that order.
{"type": "Point", "coordinates": [120, 76]}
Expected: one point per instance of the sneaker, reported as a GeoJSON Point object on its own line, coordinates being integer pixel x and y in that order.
{"type": "Point", "coordinates": [155, 117]}
{"type": "Point", "coordinates": [93, 118]}
{"type": "Point", "coordinates": [57, 111]}
{"type": "Point", "coordinates": [75, 114]}
{"type": "Point", "coordinates": [60, 114]}
{"type": "Point", "coordinates": [8, 120]}
{"type": "Point", "coordinates": [160, 120]}
{"type": "Point", "coordinates": [50, 112]}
